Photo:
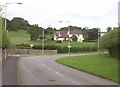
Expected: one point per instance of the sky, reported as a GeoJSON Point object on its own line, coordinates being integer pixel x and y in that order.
{"type": "Point", "coordinates": [119, 13]}
{"type": "Point", "coordinates": [81, 13]}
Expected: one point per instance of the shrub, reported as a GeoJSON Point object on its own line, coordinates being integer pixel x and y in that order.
{"type": "Point", "coordinates": [110, 42]}
{"type": "Point", "coordinates": [23, 46]}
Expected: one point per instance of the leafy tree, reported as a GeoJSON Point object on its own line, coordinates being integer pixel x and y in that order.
{"type": "Point", "coordinates": [71, 28]}
{"type": "Point", "coordinates": [49, 30]}
{"type": "Point", "coordinates": [5, 39]}
{"type": "Point", "coordinates": [34, 31]}
{"type": "Point", "coordinates": [110, 42]}
{"type": "Point", "coordinates": [17, 23]}
{"type": "Point", "coordinates": [93, 34]}
{"type": "Point", "coordinates": [85, 32]}
{"type": "Point", "coordinates": [109, 29]}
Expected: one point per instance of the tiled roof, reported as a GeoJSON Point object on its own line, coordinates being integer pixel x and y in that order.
{"type": "Point", "coordinates": [63, 36]}
{"type": "Point", "coordinates": [63, 32]}
{"type": "Point", "coordinates": [75, 32]}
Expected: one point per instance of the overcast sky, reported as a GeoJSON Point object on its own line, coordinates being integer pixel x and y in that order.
{"type": "Point", "coordinates": [81, 13]}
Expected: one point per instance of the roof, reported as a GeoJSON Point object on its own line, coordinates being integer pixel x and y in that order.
{"type": "Point", "coordinates": [75, 32]}
{"type": "Point", "coordinates": [63, 36]}
{"type": "Point", "coordinates": [63, 32]}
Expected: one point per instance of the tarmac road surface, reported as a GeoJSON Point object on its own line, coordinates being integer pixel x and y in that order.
{"type": "Point", "coordinates": [43, 70]}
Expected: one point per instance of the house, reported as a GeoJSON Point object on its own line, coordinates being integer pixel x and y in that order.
{"type": "Point", "coordinates": [65, 35]}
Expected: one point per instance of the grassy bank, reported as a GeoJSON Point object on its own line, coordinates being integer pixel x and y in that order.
{"type": "Point", "coordinates": [103, 66]}
{"type": "Point", "coordinates": [20, 37]}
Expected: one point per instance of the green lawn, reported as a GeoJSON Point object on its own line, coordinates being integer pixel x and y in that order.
{"type": "Point", "coordinates": [103, 65]}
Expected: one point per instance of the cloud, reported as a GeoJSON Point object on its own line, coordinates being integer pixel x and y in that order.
{"type": "Point", "coordinates": [85, 13]}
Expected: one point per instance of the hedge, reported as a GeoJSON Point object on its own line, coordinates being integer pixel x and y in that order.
{"type": "Point", "coordinates": [60, 49]}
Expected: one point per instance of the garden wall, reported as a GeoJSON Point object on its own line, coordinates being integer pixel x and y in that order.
{"type": "Point", "coordinates": [31, 51]}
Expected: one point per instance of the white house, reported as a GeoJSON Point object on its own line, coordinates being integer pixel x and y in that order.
{"type": "Point", "coordinates": [65, 35]}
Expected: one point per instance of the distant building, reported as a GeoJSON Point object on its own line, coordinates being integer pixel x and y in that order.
{"type": "Point", "coordinates": [119, 13]}
{"type": "Point", "coordinates": [64, 35]}
{"type": "Point", "coordinates": [102, 34]}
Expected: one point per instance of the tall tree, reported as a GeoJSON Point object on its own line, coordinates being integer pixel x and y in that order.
{"type": "Point", "coordinates": [109, 29]}
{"type": "Point", "coordinates": [110, 42]}
{"type": "Point", "coordinates": [34, 31]}
{"type": "Point", "coordinates": [18, 23]}
{"type": "Point", "coordinates": [49, 30]}
{"type": "Point", "coordinates": [5, 39]}
{"type": "Point", "coordinates": [93, 34]}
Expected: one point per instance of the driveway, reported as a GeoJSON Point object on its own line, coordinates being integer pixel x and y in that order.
{"type": "Point", "coordinates": [43, 70]}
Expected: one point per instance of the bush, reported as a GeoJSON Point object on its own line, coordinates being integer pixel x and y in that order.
{"type": "Point", "coordinates": [23, 46]}
{"type": "Point", "coordinates": [110, 42]}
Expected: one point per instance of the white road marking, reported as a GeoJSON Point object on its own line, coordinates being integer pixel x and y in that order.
{"type": "Point", "coordinates": [52, 69]}
{"type": "Point", "coordinates": [59, 74]}
{"type": "Point", "coordinates": [43, 64]}
{"type": "Point", "coordinates": [49, 68]}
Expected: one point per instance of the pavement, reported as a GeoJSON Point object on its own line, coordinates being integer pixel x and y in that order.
{"type": "Point", "coordinates": [43, 70]}
{"type": "Point", "coordinates": [0, 67]}
{"type": "Point", "coordinates": [9, 71]}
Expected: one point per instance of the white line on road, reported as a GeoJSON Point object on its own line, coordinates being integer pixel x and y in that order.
{"type": "Point", "coordinates": [43, 64]}
{"type": "Point", "coordinates": [59, 74]}
{"type": "Point", "coordinates": [49, 68]}
{"type": "Point", "coordinates": [52, 69]}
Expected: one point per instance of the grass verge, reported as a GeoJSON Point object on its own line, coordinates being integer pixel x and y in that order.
{"type": "Point", "coordinates": [100, 65]}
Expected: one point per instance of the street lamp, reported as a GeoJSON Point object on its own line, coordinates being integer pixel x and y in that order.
{"type": "Point", "coordinates": [43, 40]}
{"type": "Point", "coordinates": [68, 35]}
{"type": "Point", "coordinates": [6, 20]}
{"type": "Point", "coordinates": [6, 11]}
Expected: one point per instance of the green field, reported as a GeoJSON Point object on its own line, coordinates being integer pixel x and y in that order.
{"type": "Point", "coordinates": [19, 37]}
{"type": "Point", "coordinates": [103, 65]}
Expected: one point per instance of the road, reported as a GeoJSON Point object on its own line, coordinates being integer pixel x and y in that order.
{"type": "Point", "coordinates": [43, 70]}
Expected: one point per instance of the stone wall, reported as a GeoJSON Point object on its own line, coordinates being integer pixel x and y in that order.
{"type": "Point", "coordinates": [31, 51]}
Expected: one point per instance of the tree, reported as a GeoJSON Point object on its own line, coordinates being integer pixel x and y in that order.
{"type": "Point", "coordinates": [74, 38]}
{"type": "Point", "coordinates": [5, 39]}
{"type": "Point", "coordinates": [109, 29]}
{"type": "Point", "coordinates": [93, 34]}
{"type": "Point", "coordinates": [110, 42]}
{"type": "Point", "coordinates": [49, 30]}
{"type": "Point", "coordinates": [85, 32]}
{"type": "Point", "coordinates": [17, 23]}
{"type": "Point", "coordinates": [34, 31]}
